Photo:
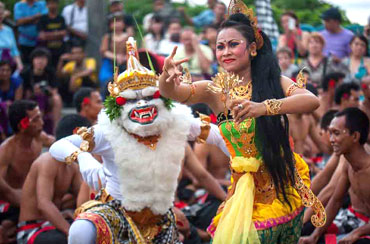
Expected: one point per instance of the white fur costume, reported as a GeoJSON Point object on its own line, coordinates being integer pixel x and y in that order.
{"type": "Point", "coordinates": [136, 175]}
{"type": "Point", "coordinates": [142, 144]}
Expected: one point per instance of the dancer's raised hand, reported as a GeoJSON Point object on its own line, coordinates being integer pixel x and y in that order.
{"type": "Point", "coordinates": [173, 68]}
{"type": "Point", "coordinates": [242, 109]}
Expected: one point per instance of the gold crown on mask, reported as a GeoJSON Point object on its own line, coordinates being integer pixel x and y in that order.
{"type": "Point", "coordinates": [136, 76]}
{"type": "Point", "coordinates": [238, 6]}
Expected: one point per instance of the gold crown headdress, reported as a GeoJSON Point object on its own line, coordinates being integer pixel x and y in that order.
{"type": "Point", "coordinates": [237, 6]}
{"type": "Point", "coordinates": [136, 76]}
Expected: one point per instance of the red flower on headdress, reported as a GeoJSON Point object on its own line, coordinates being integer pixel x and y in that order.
{"type": "Point", "coordinates": [86, 101]}
{"type": "Point", "coordinates": [120, 101]}
{"type": "Point", "coordinates": [156, 95]}
{"type": "Point", "coordinates": [332, 83]}
{"type": "Point", "coordinates": [364, 87]}
{"type": "Point", "coordinates": [345, 96]}
{"type": "Point", "coordinates": [25, 122]}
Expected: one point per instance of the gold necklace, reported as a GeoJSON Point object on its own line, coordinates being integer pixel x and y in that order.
{"type": "Point", "coordinates": [242, 92]}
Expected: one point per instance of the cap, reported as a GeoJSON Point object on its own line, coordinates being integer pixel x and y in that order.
{"type": "Point", "coordinates": [332, 13]}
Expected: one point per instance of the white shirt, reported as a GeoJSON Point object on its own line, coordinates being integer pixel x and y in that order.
{"type": "Point", "coordinates": [76, 17]}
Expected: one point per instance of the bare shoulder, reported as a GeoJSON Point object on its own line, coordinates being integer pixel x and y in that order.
{"type": "Point", "coordinates": [343, 165]}
{"type": "Point", "coordinates": [6, 149]}
{"type": "Point", "coordinates": [285, 82]}
{"type": "Point", "coordinates": [46, 139]}
{"type": "Point", "coordinates": [46, 164]}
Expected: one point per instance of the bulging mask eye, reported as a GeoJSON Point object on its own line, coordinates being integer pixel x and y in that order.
{"type": "Point", "coordinates": [156, 94]}
{"type": "Point", "coordinates": [121, 101]}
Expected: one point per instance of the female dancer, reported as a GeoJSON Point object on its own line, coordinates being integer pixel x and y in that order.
{"type": "Point", "coordinates": [266, 198]}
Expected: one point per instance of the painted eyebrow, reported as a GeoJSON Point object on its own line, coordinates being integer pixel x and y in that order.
{"type": "Point", "coordinates": [224, 41]}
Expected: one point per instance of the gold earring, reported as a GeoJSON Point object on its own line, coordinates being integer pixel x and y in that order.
{"type": "Point", "coordinates": [254, 53]}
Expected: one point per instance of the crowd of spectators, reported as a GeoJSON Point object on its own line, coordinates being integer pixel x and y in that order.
{"type": "Point", "coordinates": [44, 68]}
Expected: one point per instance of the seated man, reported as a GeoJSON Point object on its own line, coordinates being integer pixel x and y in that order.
{"type": "Point", "coordinates": [39, 84]}
{"type": "Point", "coordinates": [48, 181]}
{"type": "Point", "coordinates": [17, 154]}
{"type": "Point", "coordinates": [88, 103]}
{"type": "Point", "coordinates": [347, 95]}
{"type": "Point", "coordinates": [79, 71]}
{"type": "Point", "coordinates": [348, 134]}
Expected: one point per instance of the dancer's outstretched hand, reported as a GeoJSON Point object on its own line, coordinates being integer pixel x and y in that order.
{"type": "Point", "coordinates": [173, 68]}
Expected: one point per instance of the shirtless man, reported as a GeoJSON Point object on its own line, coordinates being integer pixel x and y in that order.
{"type": "Point", "coordinates": [17, 154]}
{"type": "Point", "coordinates": [42, 195]}
{"type": "Point", "coordinates": [329, 84]}
{"type": "Point", "coordinates": [214, 160]}
{"type": "Point", "coordinates": [88, 103]}
{"type": "Point", "coordinates": [348, 134]}
{"type": "Point", "coordinates": [347, 95]}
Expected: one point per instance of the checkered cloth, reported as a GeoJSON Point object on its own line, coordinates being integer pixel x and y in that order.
{"type": "Point", "coordinates": [119, 228]}
{"type": "Point", "coordinates": [265, 18]}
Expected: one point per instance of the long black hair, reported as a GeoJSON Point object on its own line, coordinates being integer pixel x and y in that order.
{"type": "Point", "coordinates": [272, 131]}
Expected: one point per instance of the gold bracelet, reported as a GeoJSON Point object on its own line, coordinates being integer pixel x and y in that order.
{"type": "Point", "coordinates": [273, 106]}
{"type": "Point", "coordinates": [205, 127]}
{"type": "Point", "coordinates": [192, 92]}
{"type": "Point", "coordinates": [87, 135]}
{"type": "Point", "coordinates": [73, 157]}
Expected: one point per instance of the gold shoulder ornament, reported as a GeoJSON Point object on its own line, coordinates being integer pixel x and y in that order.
{"type": "Point", "coordinates": [301, 82]}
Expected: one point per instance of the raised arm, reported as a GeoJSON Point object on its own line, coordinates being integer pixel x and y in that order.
{"type": "Point", "coordinates": [68, 150]}
{"type": "Point", "coordinates": [171, 87]}
{"type": "Point", "coordinates": [28, 20]}
{"type": "Point", "coordinates": [297, 100]}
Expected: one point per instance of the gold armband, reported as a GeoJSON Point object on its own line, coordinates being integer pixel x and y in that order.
{"type": "Point", "coordinates": [273, 106]}
{"type": "Point", "coordinates": [73, 157]}
{"type": "Point", "coordinates": [192, 92]}
{"type": "Point", "coordinates": [87, 144]}
{"type": "Point", "coordinates": [87, 135]}
{"type": "Point", "coordinates": [205, 127]}
{"type": "Point", "coordinates": [291, 89]}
